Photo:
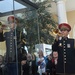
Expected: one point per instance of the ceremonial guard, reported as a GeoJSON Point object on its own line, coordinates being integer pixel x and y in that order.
{"type": "Point", "coordinates": [65, 48]}
{"type": "Point", "coordinates": [11, 46]}
{"type": "Point", "coordinates": [10, 38]}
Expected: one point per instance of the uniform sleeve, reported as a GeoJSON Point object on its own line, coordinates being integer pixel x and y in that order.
{"type": "Point", "coordinates": [1, 37]}
{"type": "Point", "coordinates": [55, 46]}
{"type": "Point", "coordinates": [74, 43]}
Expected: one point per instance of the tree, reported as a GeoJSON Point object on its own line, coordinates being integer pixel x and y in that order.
{"type": "Point", "coordinates": [46, 22]}
{"type": "Point", "coordinates": [39, 24]}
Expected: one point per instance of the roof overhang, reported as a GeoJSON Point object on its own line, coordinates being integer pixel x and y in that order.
{"type": "Point", "coordinates": [26, 3]}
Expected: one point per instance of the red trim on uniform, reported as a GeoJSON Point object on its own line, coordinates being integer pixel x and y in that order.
{"type": "Point", "coordinates": [64, 25]}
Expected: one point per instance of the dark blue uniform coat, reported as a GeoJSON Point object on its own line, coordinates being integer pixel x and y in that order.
{"type": "Point", "coordinates": [10, 39]}
{"type": "Point", "coordinates": [66, 55]}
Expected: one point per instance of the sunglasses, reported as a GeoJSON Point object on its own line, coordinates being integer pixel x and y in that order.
{"type": "Point", "coordinates": [64, 29]}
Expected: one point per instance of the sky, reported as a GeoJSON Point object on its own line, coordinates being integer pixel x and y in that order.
{"type": "Point", "coordinates": [9, 5]}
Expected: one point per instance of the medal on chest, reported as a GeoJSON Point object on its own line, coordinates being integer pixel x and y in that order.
{"type": "Point", "coordinates": [60, 44]}
{"type": "Point", "coordinates": [68, 46]}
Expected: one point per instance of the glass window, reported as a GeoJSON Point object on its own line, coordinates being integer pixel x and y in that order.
{"type": "Point", "coordinates": [14, 43]}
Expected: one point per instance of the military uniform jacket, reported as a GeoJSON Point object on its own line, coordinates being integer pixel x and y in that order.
{"type": "Point", "coordinates": [66, 55]}
{"type": "Point", "coordinates": [10, 39]}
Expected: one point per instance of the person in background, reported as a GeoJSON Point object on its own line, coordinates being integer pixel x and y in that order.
{"type": "Point", "coordinates": [55, 57]}
{"type": "Point", "coordinates": [41, 63]}
{"type": "Point", "coordinates": [3, 67]}
{"type": "Point", "coordinates": [29, 61]}
{"type": "Point", "coordinates": [11, 45]}
{"type": "Point", "coordinates": [25, 66]}
{"type": "Point", "coordinates": [65, 48]}
{"type": "Point", "coordinates": [49, 65]}
{"type": "Point", "coordinates": [34, 65]}
{"type": "Point", "coordinates": [54, 62]}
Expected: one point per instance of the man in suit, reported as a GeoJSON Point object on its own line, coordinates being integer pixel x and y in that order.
{"type": "Point", "coordinates": [66, 51]}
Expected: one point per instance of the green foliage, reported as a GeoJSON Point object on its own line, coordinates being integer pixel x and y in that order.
{"type": "Point", "coordinates": [29, 22]}
{"type": "Point", "coordinates": [46, 22]}
{"type": "Point", "coordinates": [38, 24]}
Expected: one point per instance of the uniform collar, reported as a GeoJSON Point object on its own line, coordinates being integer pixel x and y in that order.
{"type": "Point", "coordinates": [65, 38]}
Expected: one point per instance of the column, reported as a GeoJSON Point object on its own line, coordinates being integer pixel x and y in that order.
{"type": "Point", "coordinates": [61, 11]}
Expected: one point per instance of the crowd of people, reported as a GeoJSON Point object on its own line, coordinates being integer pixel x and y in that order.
{"type": "Point", "coordinates": [39, 65]}
{"type": "Point", "coordinates": [33, 65]}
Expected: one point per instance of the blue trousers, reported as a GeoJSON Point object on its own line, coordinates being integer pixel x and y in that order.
{"type": "Point", "coordinates": [12, 68]}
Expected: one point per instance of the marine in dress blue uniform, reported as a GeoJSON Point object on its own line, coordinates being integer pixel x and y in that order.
{"type": "Point", "coordinates": [66, 52]}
